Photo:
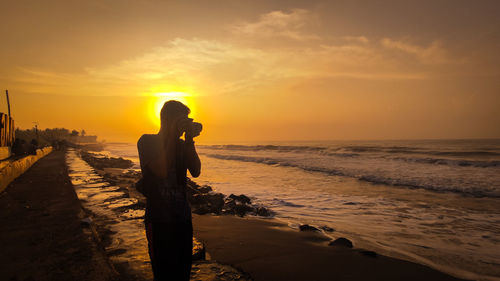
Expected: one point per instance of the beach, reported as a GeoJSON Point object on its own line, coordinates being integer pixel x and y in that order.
{"type": "Point", "coordinates": [270, 250]}
{"type": "Point", "coordinates": [237, 248]}
{"type": "Point", "coordinates": [432, 202]}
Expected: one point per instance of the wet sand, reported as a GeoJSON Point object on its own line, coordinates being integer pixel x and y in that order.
{"type": "Point", "coordinates": [41, 235]}
{"type": "Point", "coordinates": [269, 250]}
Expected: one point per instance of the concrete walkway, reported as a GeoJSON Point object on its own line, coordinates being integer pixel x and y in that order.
{"type": "Point", "coordinates": [41, 236]}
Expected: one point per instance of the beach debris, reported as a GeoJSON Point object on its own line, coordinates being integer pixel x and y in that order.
{"type": "Point", "coordinates": [306, 227]}
{"type": "Point", "coordinates": [326, 228]}
{"type": "Point", "coordinates": [341, 242]}
{"type": "Point", "coordinates": [370, 254]}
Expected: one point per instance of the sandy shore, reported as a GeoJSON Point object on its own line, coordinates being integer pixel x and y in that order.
{"type": "Point", "coordinates": [269, 250]}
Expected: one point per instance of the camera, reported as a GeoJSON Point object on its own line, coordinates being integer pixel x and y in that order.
{"type": "Point", "coordinates": [190, 127]}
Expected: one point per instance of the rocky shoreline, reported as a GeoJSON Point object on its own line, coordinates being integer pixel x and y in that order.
{"type": "Point", "coordinates": [236, 233]}
{"type": "Point", "coordinates": [116, 172]}
{"type": "Point", "coordinates": [203, 199]}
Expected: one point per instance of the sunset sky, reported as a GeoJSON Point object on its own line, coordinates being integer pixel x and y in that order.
{"type": "Point", "coordinates": [256, 70]}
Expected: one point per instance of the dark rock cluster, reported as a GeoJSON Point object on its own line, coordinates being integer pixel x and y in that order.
{"type": "Point", "coordinates": [204, 200]}
{"type": "Point", "coordinates": [306, 227]}
{"type": "Point", "coordinates": [105, 162]}
{"type": "Point", "coordinates": [341, 242]}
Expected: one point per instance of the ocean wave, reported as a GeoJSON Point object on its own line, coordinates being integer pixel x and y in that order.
{"type": "Point", "coordinates": [286, 203]}
{"type": "Point", "coordinates": [354, 150]}
{"type": "Point", "coordinates": [281, 148]}
{"type": "Point", "coordinates": [418, 150]}
{"type": "Point", "coordinates": [376, 148]}
{"type": "Point", "coordinates": [466, 153]}
{"type": "Point", "coordinates": [452, 162]}
{"type": "Point", "coordinates": [465, 189]}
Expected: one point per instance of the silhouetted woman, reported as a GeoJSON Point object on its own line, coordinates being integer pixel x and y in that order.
{"type": "Point", "coordinates": [165, 159]}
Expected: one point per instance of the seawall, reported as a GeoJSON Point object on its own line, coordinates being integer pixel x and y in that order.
{"type": "Point", "coordinates": [11, 169]}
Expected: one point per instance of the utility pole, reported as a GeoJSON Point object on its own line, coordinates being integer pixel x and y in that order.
{"type": "Point", "coordinates": [36, 130]}
{"type": "Point", "coordinates": [8, 102]}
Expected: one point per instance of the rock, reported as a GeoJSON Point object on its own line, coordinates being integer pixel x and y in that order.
{"type": "Point", "coordinates": [232, 207]}
{"type": "Point", "coordinates": [241, 198]}
{"type": "Point", "coordinates": [100, 161]}
{"type": "Point", "coordinates": [370, 254]}
{"type": "Point", "coordinates": [204, 189]}
{"type": "Point", "coordinates": [202, 210]}
{"type": "Point", "coordinates": [242, 209]}
{"type": "Point", "coordinates": [207, 203]}
{"type": "Point", "coordinates": [216, 200]}
{"type": "Point", "coordinates": [341, 242]}
{"type": "Point", "coordinates": [198, 199]}
{"type": "Point", "coordinates": [306, 227]}
{"type": "Point", "coordinates": [192, 183]}
{"type": "Point", "coordinates": [263, 212]}
{"type": "Point", "coordinates": [327, 229]}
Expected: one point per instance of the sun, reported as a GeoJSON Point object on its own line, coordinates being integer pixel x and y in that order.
{"type": "Point", "coordinates": [158, 99]}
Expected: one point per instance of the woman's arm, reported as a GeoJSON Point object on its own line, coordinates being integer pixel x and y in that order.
{"type": "Point", "coordinates": [193, 162]}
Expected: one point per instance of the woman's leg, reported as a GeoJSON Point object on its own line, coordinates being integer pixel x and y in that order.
{"type": "Point", "coordinates": [172, 251]}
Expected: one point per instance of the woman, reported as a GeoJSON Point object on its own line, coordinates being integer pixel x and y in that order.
{"type": "Point", "coordinates": [165, 159]}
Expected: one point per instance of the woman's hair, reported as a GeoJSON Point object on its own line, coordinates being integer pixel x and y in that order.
{"type": "Point", "coordinates": [172, 109]}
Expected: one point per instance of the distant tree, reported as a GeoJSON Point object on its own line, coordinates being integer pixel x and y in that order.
{"type": "Point", "coordinates": [48, 136]}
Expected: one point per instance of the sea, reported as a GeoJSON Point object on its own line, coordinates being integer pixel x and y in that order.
{"type": "Point", "coordinates": [433, 202]}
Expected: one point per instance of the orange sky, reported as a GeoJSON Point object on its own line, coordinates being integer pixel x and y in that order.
{"type": "Point", "coordinates": [256, 70]}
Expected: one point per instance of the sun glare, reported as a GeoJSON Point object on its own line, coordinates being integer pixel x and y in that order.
{"type": "Point", "coordinates": [159, 99]}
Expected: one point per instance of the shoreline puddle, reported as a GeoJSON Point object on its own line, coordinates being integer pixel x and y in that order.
{"type": "Point", "coordinates": [111, 208]}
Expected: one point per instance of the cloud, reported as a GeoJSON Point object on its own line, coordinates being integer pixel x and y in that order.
{"type": "Point", "coordinates": [358, 39]}
{"type": "Point", "coordinates": [291, 25]}
{"type": "Point", "coordinates": [231, 65]}
{"type": "Point", "coordinates": [432, 54]}
{"type": "Point", "coordinates": [212, 66]}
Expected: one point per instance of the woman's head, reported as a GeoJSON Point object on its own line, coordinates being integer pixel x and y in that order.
{"type": "Point", "coordinates": [171, 111]}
